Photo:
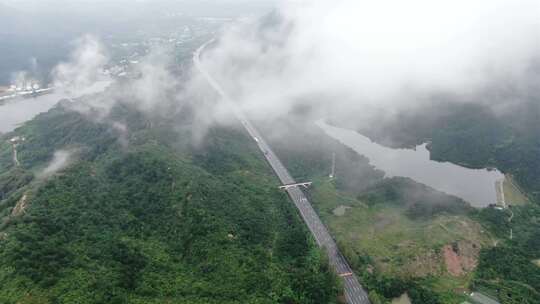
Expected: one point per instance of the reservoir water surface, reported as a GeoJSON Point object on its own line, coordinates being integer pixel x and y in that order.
{"type": "Point", "coordinates": [18, 111]}
{"type": "Point", "coordinates": [477, 186]}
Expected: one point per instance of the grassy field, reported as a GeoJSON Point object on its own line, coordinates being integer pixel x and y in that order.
{"type": "Point", "coordinates": [512, 194]}
{"type": "Point", "coordinates": [399, 245]}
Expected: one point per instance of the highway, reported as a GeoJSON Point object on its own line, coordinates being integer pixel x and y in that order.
{"type": "Point", "coordinates": [354, 292]}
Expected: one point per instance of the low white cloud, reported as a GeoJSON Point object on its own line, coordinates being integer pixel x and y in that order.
{"type": "Point", "coordinates": [156, 83]}
{"type": "Point", "coordinates": [360, 54]}
{"type": "Point", "coordinates": [61, 160]}
{"type": "Point", "coordinates": [84, 66]}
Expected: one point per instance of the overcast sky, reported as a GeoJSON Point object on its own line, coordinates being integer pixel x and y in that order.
{"type": "Point", "coordinates": [385, 53]}
{"type": "Point", "coordinates": [361, 54]}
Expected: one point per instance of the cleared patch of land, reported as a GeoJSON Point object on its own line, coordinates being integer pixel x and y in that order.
{"type": "Point", "coordinates": [445, 246]}
{"type": "Point", "coordinates": [404, 299]}
{"type": "Point", "coordinates": [340, 211]}
{"type": "Point", "coordinates": [512, 193]}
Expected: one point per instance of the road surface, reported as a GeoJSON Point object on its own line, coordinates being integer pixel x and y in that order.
{"type": "Point", "coordinates": [499, 190]}
{"type": "Point", "coordinates": [354, 292]}
{"type": "Point", "coordinates": [15, 158]}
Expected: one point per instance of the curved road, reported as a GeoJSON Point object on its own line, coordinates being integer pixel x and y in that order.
{"type": "Point", "coordinates": [354, 292]}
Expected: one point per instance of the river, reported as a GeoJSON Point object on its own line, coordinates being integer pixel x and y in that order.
{"type": "Point", "coordinates": [477, 186]}
{"type": "Point", "coordinates": [18, 111]}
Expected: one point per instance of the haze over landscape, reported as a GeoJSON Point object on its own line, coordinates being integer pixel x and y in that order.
{"type": "Point", "coordinates": [235, 151]}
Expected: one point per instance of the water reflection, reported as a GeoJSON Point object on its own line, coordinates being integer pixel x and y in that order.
{"type": "Point", "coordinates": [476, 186]}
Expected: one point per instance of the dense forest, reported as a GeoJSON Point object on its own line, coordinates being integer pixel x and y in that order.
{"type": "Point", "coordinates": [150, 218]}
{"type": "Point", "coordinates": [147, 216]}
{"type": "Point", "coordinates": [510, 271]}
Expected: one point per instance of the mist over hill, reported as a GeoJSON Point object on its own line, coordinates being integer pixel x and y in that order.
{"type": "Point", "coordinates": [34, 33]}
{"type": "Point", "coordinates": [152, 191]}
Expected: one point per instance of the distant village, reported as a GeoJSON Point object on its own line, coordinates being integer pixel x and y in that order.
{"type": "Point", "coordinates": [123, 65]}
{"type": "Point", "coordinates": [23, 89]}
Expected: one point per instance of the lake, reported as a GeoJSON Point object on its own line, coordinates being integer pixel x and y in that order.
{"type": "Point", "coordinates": [477, 186]}
{"type": "Point", "coordinates": [18, 111]}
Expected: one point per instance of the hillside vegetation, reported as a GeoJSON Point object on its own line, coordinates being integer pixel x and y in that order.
{"type": "Point", "coordinates": [401, 236]}
{"type": "Point", "coordinates": [145, 216]}
{"type": "Point", "coordinates": [476, 136]}
{"type": "Point", "coordinates": [394, 232]}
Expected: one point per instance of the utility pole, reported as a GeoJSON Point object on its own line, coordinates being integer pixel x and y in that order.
{"type": "Point", "coordinates": [333, 172]}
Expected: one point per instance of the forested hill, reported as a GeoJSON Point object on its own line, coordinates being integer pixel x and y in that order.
{"type": "Point", "coordinates": [141, 215]}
